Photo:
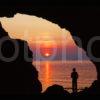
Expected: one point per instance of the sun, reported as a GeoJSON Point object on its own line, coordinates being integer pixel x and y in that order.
{"type": "Point", "coordinates": [46, 49]}
{"type": "Point", "coordinates": [47, 54]}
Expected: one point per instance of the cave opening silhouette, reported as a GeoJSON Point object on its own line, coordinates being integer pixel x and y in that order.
{"type": "Point", "coordinates": [81, 23]}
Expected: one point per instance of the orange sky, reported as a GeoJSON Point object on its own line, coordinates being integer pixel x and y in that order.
{"type": "Point", "coordinates": [40, 32]}
{"type": "Point", "coordinates": [36, 30]}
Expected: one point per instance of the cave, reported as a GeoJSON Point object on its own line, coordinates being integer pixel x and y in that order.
{"type": "Point", "coordinates": [82, 20]}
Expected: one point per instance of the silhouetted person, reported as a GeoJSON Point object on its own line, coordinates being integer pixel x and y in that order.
{"type": "Point", "coordinates": [74, 76]}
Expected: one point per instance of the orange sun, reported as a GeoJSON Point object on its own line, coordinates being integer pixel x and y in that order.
{"type": "Point", "coordinates": [46, 49]}
{"type": "Point", "coordinates": [47, 54]}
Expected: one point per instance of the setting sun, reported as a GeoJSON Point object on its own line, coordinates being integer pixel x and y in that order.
{"type": "Point", "coordinates": [46, 49]}
{"type": "Point", "coordinates": [47, 54]}
{"type": "Point", "coordinates": [54, 52]}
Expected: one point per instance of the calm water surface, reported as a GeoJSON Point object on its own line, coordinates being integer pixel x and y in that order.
{"type": "Point", "coordinates": [58, 72]}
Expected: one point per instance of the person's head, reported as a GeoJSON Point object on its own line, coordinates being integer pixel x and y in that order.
{"type": "Point", "coordinates": [74, 69]}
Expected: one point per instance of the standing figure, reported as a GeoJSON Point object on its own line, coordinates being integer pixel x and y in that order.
{"type": "Point", "coordinates": [74, 76]}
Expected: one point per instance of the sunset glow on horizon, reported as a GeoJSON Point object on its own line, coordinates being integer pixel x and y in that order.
{"type": "Point", "coordinates": [43, 34]}
{"type": "Point", "coordinates": [55, 52]}
{"type": "Point", "coordinates": [47, 54]}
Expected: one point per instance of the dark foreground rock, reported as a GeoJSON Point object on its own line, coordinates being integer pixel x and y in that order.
{"type": "Point", "coordinates": [17, 75]}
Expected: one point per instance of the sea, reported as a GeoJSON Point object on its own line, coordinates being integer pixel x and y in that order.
{"type": "Point", "coordinates": [59, 72]}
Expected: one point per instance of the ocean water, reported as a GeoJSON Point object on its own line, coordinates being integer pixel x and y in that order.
{"type": "Point", "coordinates": [59, 72]}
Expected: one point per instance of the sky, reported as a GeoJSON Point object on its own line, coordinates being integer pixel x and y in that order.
{"type": "Point", "coordinates": [46, 39]}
